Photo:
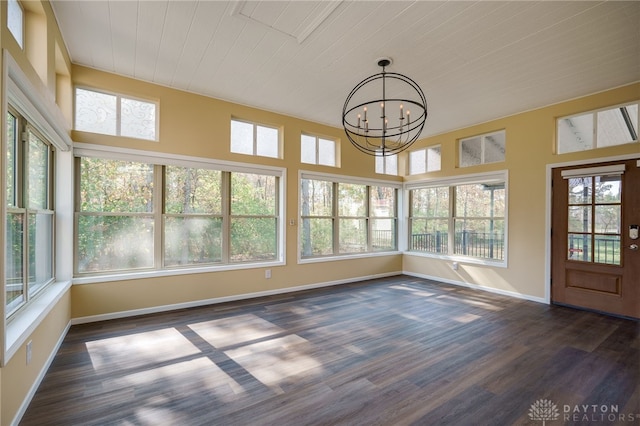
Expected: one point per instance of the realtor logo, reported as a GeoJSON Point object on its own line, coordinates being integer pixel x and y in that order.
{"type": "Point", "coordinates": [544, 410]}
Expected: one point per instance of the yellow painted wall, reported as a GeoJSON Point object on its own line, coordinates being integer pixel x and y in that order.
{"type": "Point", "coordinates": [529, 149]}
{"type": "Point", "coordinates": [200, 126]}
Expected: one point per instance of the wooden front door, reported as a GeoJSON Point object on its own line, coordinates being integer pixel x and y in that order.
{"type": "Point", "coordinates": [595, 261]}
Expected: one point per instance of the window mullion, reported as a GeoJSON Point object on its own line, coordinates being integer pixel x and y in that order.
{"type": "Point", "coordinates": [451, 234]}
{"type": "Point", "coordinates": [336, 219]}
{"type": "Point", "coordinates": [158, 217]}
{"type": "Point", "coordinates": [226, 216]}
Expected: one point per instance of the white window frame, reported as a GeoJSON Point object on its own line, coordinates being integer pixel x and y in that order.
{"type": "Point", "coordinates": [119, 98]}
{"type": "Point", "coordinates": [594, 118]}
{"type": "Point", "coordinates": [337, 179]}
{"type": "Point", "coordinates": [254, 142]}
{"type": "Point", "coordinates": [483, 141]}
{"type": "Point", "coordinates": [317, 139]}
{"type": "Point", "coordinates": [162, 159]}
{"type": "Point", "coordinates": [492, 177]}
{"type": "Point", "coordinates": [387, 165]}
{"type": "Point", "coordinates": [427, 159]}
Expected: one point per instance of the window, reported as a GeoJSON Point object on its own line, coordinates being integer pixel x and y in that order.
{"type": "Point", "coordinates": [387, 165]}
{"type": "Point", "coordinates": [254, 139]}
{"type": "Point", "coordinates": [482, 149]}
{"type": "Point", "coordinates": [112, 114]}
{"type": "Point", "coordinates": [340, 218]}
{"type": "Point", "coordinates": [29, 240]}
{"type": "Point", "coordinates": [15, 21]}
{"type": "Point", "coordinates": [210, 216]}
{"type": "Point", "coordinates": [598, 129]}
{"type": "Point", "coordinates": [317, 150]}
{"type": "Point", "coordinates": [594, 217]}
{"type": "Point", "coordinates": [465, 218]}
{"type": "Point", "coordinates": [424, 160]}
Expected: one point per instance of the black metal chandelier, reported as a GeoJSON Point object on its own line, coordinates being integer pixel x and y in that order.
{"type": "Point", "coordinates": [389, 124]}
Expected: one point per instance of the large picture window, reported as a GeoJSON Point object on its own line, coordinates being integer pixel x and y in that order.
{"type": "Point", "coordinates": [29, 253]}
{"type": "Point", "coordinates": [342, 218]}
{"type": "Point", "coordinates": [136, 216]}
{"type": "Point", "coordinates": [466, 218]}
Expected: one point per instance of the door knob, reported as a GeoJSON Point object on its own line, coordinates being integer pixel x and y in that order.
{"type": "Point", "coordinates": [633, 247]}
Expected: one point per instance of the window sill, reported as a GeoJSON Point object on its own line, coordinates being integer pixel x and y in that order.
{"type": "Point", "coordinates": [20, 327]}
{"type": "Point", "coordinates": [461, 259]}
{"type": "Point", "coordinates": [93, 279]}
{"type": "Point", "coordinates": [333, 258]}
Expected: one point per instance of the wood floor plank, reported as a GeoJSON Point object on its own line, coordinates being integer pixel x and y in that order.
{"type": "Point", "coordinates": [392, 351]}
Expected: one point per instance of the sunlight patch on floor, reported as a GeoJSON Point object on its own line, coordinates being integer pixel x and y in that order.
{"type": "Point", "coordinates": [234, 330]}
{"type": "Point", "coordinates": [274, 361]}
{"type": "Point", "coordinates": [138, 349]}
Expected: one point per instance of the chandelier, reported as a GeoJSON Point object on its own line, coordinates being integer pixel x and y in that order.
{"type": "Point", "coordinates": [385, 113]}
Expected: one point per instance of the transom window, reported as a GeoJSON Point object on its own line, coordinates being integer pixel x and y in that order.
{"type": "Point", "coordinates": [15, 21]}
{"type": "Point", "coordinates": [317, 150]}
{"type": "Point", "coordinates": [136, 216]}
{"type": "Point", "coordinates": [459, 219]}
{"type": "Point", "coordinates": [255, 139]}
{"type": "Point", "coordinates": [114, 114]}
{"type": "Point", "coordinates": [598, 129]}
{"type": "Point", "coordinates": [340, 218]}
{"type": "Point", "coordinates": [29, 255]}
{"type": "Point", "coordinates": [424, 160]}
{"type": "Point", "coordinates": [482, 149]}
{"type": "Point", "coordinates": [387, 165]}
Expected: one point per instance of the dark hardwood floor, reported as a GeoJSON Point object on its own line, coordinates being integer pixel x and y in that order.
{"type": "Point", "coordinates": [398, 350]}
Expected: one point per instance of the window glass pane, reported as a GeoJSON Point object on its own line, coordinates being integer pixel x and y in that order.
{"type": "Point", "coordinates": [115, 186]}
{"type": "Point", "coordinates": [241, 137]}
{"type": "Point", "coordinates": [607, 219]}
{"type": "Point", "coordinates": [383, 201]}
{"type": "Point", "coordinates": [14, 252]}
{"type": "Point", "coordinates": [494, 147]}
{"type": "Point", "coordinates": [433, 159]}
{"type": "Point", "coordinates": [192, 240]}
{"type": "Point", "coordinates": [379, 164]}
{"type": "Point", "coordinates": [471, 152]}
{"type": "Point", "coordinates": [430, 202]}
{"type": "Point", "coordinates": [580, 191]}
{"type": "Point", "coordinates": [352, 199]}
{"type": "Point", "coordinates": [353, 235]}
{"type": "Point", "coordinates": [316, 198]}
{"type": "Point", "coordinates": [253, 239]}
{"type": "Point", "coordinates": [579, 247]}
{"type": "Point", "coordinates": [138, 119]}
{"type": "Point", "coordinates": [326, 152]}
{"type": "Point", "coordinates": [607, 249]}
{"type": "Point", "coordinates": [612, 127]}
{"type": "Point", "coordinates": [253, 194]}
{"type": "Point", "coordinates": [482, 238]}
{"type": "Point", "coordinates": [40, 249]}
{"type": "Point", "coordinates": [579, 219]}
{"type": "Point", "coordinates": [417, 161]}
{"type": "Point", "coordinates": [38, 173]}
{"type": "Point", "coordinates": [190, 190]}
{"type": "Point", "coordinates": [15, 20]}
{"type": "Point", "coordinates": [479, 200]}
{"type": "Point", "coordinates": [575, 133]}
{"type": "Point", "coordinates": [429, 235]}
{"type": "Point", "coordinates": [316, 237]}
{"type": "Point", "coordinates": [112, 243]}
{"type": "Point", "coordinates": [608, 189]}
{"type": "Point", "coordinates": [95, 112]}
{"type": "Point", "coordinates": [383, 234]}
{"type": "Point", "coordinates": [267, 142]}
{"type": "Point", "coordinates": [11, 159]}
{"type": "Point", "coordinates": [308, 149]}
{"type": "Point", "coordinates": [391, 164]}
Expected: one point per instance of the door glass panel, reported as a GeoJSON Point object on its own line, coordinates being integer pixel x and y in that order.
{"type": "Point", "coordinates": [580, 190]}
{"type": "Point", "coordinates": [608, 189]}
{"type": "Point", "coordinates": [579, 247]}
{"type": "Point", "coordinates": [579, 218]}
{"type": "Point", "coordinates": [607, 219]}
{"type": "Point", "coordinates": [607, 249]}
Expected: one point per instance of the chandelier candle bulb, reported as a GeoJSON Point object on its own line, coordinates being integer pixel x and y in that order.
{"type": "Point", "coordinates": [401, 112]}
{"type": "Point", "coordinates": [358, 121]}
{"type": "Point", "coordinates": [365, 113]}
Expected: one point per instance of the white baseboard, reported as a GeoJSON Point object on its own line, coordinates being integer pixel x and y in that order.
{"type": "Point", "coordinates": [479, 287]}
{"type": "Point", "coordinates": [36, 384]}
{"type": "Point", "coordinates": [216, 300]}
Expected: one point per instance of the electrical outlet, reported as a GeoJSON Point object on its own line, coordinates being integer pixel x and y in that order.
{"type": "Point", "coordinates": [267, 273]}
{"type": "Point", "coordinates": [29, 351]}
{"type": "Point", "coordinates": [454, 265]}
